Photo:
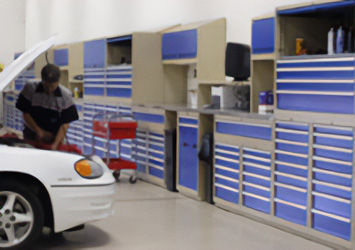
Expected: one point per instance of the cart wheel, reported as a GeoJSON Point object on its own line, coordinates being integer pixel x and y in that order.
{"type": "Point", "coordinates": [133, 179]}
{"type": "Point", "coordinates": [116, 174]}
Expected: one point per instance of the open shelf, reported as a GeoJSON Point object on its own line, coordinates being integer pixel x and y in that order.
{"type": "Point", "coordinates": [312, 22]}
{"type": "Point", "coordinates": [119, 50]}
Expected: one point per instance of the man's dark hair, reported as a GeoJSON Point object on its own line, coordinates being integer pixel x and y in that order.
{"type": "Point", "coordinates": [50, 73]}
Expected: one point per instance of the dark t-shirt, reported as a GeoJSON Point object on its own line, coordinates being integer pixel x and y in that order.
{"type": "Point", "coordinates": [48, 111]}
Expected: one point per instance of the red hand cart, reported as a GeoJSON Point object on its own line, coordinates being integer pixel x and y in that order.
{"type": "Point", "coordinates": [115, 127]}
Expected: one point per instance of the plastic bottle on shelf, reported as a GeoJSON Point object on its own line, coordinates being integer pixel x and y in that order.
{"type": "Point", "coordinates": [331, 42]}
{"type": "Point", "coordinates": [76, 93]}
{"type": "Point", "coordinates": [340, 40]}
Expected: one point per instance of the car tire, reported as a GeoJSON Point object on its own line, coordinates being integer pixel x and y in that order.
{"type": "Point", "coordinates": [21, 219]}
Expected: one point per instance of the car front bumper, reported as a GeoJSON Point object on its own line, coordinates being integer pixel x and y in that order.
{"type": "Point", "coordinates": [76, 205]}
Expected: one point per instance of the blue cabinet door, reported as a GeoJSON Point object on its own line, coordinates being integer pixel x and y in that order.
{"type": "Point", "coordinates": [179, 45]}
{"type": "Point", "coordinates": [61, 57]}
{"type": "Point", "coordinates": [188, 161]}
{"type": "Point", "coordinates": [95, 54]}
{"type": "Point", "coordinates": [263, 36]}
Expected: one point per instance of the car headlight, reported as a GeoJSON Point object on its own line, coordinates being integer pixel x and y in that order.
{"type": "Point", "coordinates": [88, 169]}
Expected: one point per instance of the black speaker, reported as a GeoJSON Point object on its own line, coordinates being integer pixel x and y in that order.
{"type": "Point", "coordinates": [238, 61]}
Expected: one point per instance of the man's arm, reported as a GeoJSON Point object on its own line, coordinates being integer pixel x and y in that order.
{"type": "Point", "coordinates": [60, 135]}
{"type": "Point", "coordinates": [41, 134]}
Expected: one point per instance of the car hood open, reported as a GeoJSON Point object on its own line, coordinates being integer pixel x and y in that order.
{"type": "Point", "coordinates": [23, 61]}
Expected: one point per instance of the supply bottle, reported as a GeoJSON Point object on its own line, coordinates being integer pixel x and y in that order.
{"type": "Point", "coordinates": [340, 41]}
{"type": "Point", "coordinates": [331, 42]}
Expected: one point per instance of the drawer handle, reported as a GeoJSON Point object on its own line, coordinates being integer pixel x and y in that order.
{"type": "Point", "coordinates": [194, 146]}
{"type": "Point", "coordinates": [185, 144]}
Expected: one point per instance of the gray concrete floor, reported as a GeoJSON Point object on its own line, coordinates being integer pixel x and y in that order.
{"type": "Point", "coordinates": [148, 217]}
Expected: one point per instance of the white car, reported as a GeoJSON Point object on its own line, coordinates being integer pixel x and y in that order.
{"type": "Point", "coordinates": [48, 188]}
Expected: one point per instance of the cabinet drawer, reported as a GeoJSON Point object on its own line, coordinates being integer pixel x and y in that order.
{"type": "Point", "coordinates": [332, 189]}
{"type": "Point", "coordinates": [290, 146]}
{"type": "Point", "coordinates": [333, 153]}
{"type": "Point", "coordinates": [146, 117]}
{"type": "Point", "coordinates": [292, 135]}
{"type": "Point", "coordinates": [332, 177]}
{"type": "Point", "coordinates": [291, 212]}
{"type": "Point", "coordinates": [256, 189]}
{"type": "Point", "coordinates": [292, 169]}
{"type": "Point", "coordinates": [121, 91]}
{"type": "Point", "coordinates": [299, 159]}
{"type": "Point", "coordinates": [257, 179]}
{"type": "Point", "coordinates": [291, 194]}
{"type": "Point", "coordinates": [256, 202]}
{"type": "Point", "coordinates": [334, 225]}
{"type": "Point", "coordinates": [228, 172]}
{"type": "Point", "coordinates": [332, 165]}
{"type": "Point", "coordinates": [258, 131]}
{"type": "Point", "coordinates": [292, 180]}
{"type": "Point", "coordinates": [226, 181]}
{"type": "Point", "coordinates": [256, 169]}
{"type": "Point", "coordinates": [314, 101]}
{"type": "Point", "coordinates": [332, 204]}
{"type": "Point", "coordinates": [227, 193]}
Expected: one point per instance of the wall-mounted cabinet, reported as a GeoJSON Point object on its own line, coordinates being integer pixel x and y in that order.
{"type": "Point", "coordinates": [192, 53]}
{"type": "Point", "coordinates": [130, 68]}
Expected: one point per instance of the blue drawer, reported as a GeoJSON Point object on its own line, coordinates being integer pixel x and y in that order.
{"type": "Point", "coordinates": [283, 73]}
{"type": "Point", "coordinates": [257, 153]}
{"type": "Point", "coordinates": [334, 130]}
{"type": "Point", "coordinates": [342, 142]}
{"type": "Point", "coordinates": [283, 168]}
{"type": "Point", "coordinates": [256, 170]}
{"type": "Point", "coordinates": [179, 45]}
{"type": "Point", "coordinates": [336, 227]}
{"type": "Point", "coordinates": [186, 120]}
{"type": "Point", "coordinates": [292, 148]}
{"type": "Point", "coordinates": [156, 172]}
{"type": "Point", "coordinates": [257, 131]}
{"type": "Point", "coordinates": [226, 162]}
{"type": "Point", "coordinates": [342, 191]}
{"type": "Point", "coordinates": [227, 148]}
{"type": "Point", "coordinates": [316, 103]}
{"type": "Point", "coordinates": [156, 162]}
{"type": "Point", "coordinates": [145, 117]}
{"type": "Point", "coordinates": [256, 191]}
{"type": "Point", "coordinates": [228, 183]}
{"type": "Point", "coordinates": [226, 173]}
{"type": "Point", "coordinates": [291, 195]}
{"type": "Point", "coordinates": [93, 90]}
{"type": "Point", "coordinates": [332, 177]}
{"type": "Point", "coordinates": [291, 135]}
{"type": "Point", "coordinates": [280, 156]}
{"type": "Point", "coordinates": [296, 181]}
{"type": "Point", "coordinates": [256, 203]}
{"type": "Point", "coordinates": [340, 167]}
{"type": "Point", "coordinates": [291, 213]}
{"type": "Point", "coordinates": [332, 206]}
{"type": "Point", "coordinates": [227, 155]}
{"type": "Point", "coordinates": [342, 156]}
{"type": "Point", "coordinates": [346, 62]}
{"type": "Point", "coordinates": [258, 180]}
{"type": "Point", "coordinates": [113, 91]}
{"type": "Point", "coordinates": [155, 147]}
{"type": "Point", "coordinates": [226, 194]}
{"type": "Point", "coordinates": [309, 86]}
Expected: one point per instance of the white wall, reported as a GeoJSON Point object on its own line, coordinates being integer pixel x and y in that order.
{"type": "Point", "coordinates": [12, 29]}
{"type": "Point", "coordinates": [77, 20]}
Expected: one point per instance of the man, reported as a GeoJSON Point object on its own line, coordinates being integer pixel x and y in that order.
{"type": "Point", "coordinates": [47, 108]}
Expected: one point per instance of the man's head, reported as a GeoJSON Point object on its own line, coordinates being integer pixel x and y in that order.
{"type": "Point", "coordinates": [50, 77]}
